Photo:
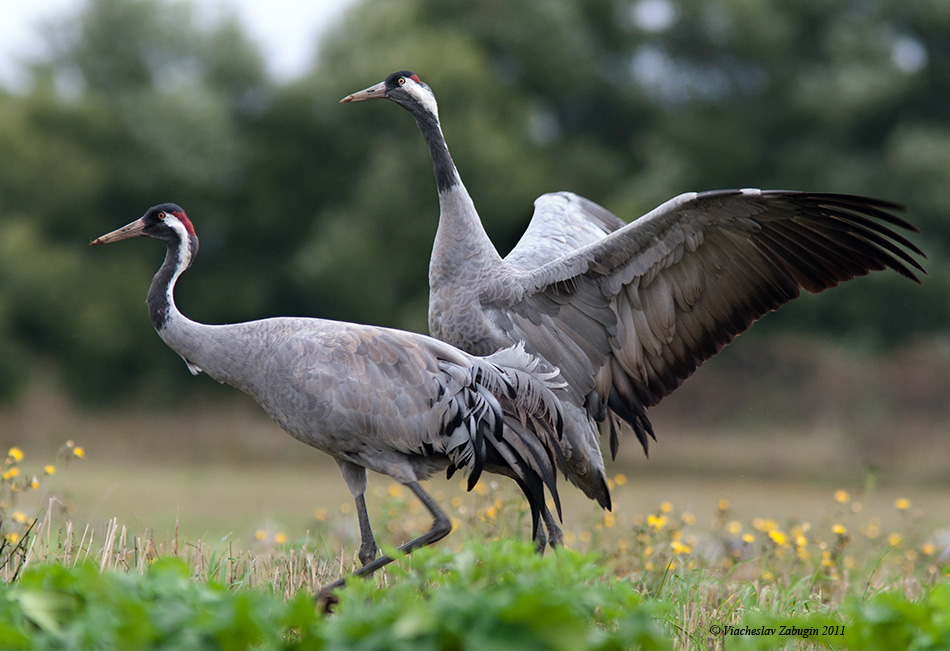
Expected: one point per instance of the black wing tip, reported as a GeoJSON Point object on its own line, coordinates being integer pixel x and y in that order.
{"type": "Point", "coordinates": [873, 220]}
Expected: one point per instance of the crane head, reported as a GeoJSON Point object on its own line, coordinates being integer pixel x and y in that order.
{"type": "Point", "coordinates": [404, 88]}
{"type": "Point", "coordinates": [165, 221]}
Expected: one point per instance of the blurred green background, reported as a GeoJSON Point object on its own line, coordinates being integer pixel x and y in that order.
{"type": "Point", "coordinates": [307, 207]}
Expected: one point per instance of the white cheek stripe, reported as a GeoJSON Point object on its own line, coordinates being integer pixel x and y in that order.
{"type": "Point", "coordinates": [184, 251]}
{"type": "Point", "coordinates": [424, 97]}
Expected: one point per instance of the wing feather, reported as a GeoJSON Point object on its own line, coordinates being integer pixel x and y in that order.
{"type": "Point", "coordinates": [562, 223]}
{"type": "Point", "coordinates": [643, 305]}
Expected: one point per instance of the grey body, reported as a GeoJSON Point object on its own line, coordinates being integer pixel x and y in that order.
{"type": "Point", "coordinates": [376, 397]}
{"type": "Point", "coordinates": [628, 311]}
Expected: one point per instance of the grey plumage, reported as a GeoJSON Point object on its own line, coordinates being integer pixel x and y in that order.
{"type": "Point", "coordinates": [628, 311]}
{"type": "Point", "coordinates": [401, 404]}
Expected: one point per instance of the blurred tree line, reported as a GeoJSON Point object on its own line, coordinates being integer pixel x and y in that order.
{"type": "Point", "coordinates": [307, 207]}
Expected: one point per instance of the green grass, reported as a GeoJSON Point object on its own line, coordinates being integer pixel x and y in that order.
{"type": "Point", "coordinates": [664, 570]}
{"type": "Point", "coordinates": [210, 528]}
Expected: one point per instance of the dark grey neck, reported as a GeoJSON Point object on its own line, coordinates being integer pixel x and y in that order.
{"type": "Point", "coordinates": [446, 176]}
{"type": "Point", "coordinates": [160, 301]}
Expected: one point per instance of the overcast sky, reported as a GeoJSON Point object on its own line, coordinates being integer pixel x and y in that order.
{"type": "Point", "coordinates": [285, 29]}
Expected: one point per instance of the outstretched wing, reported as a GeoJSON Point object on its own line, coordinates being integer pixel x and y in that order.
{"type": "Point", "coordinates": [630, 316]}
{"type": "Point", "coordinates": [562, 223]}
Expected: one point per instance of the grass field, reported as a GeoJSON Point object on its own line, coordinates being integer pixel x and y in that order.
{"type": "Point", "coordinates": [833, 518]}
{"type": "Point", "coordinates": [675, 560]}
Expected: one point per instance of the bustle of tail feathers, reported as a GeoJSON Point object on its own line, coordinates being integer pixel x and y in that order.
{"type": "Point", "coordinates": [510, 388]}
{"type": "Point", "coordinates": [528, 383]}
{"type": "Point", "coordinates": [516, 357]}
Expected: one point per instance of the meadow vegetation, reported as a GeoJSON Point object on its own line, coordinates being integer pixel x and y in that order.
{"type": "Point", "coordinates": [863, 575]}
{"type": "Point", "coordinates": [205, 527]}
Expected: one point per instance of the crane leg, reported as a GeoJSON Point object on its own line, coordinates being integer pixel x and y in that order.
{"type": "Point", "coordinates": [355, 478]}
{"type": "Point", "coordinates": [441, 526]}
{"type": "Point", "coordinates": [367, 543]}
{"type": "Point", "coordinates": [555, 535]}
{"type": "Point", "coordinates": [540, 540]}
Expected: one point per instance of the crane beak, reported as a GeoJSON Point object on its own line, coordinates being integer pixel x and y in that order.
{"type": "Point", "coordinates": [379, 90]}
{"type": "Point", "coordinates": [135, 229]}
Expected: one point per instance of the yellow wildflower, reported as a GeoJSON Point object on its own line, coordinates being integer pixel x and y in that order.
{"type": "Point", "coordinates": [15, 454]}
{"type": "Point", "coordinates": [260, 534]}
{"type": "Point", "coordinates": [722, 505]}
{"type": "Point", "coordinates": [320, 514]}
{"type": "Point", "coordinates": [19, 517]}
{"type": "Point", "coordinates": [585, 536]}
{"type": "Point", "coordinates": [688, 518]}
{"type": "Point", "coordinates": [842, 496]}
{"type": "Point", "coordinates": [280, 537]}
{"type": "Point", "coordinates": [894, 539]}
{"type": "Point", "coordinates": [734, 527]}
{"type": "Point", "coordinates": [12, 473]}
{"type": "Point", "coordinates": [666, 507]}
{"type": "Point", "coordinates": [902, 503]}
{"type": "Point", "coordinates": [13, 537]}
{"type": "Point", "coordinates": [657, 522]}
{"type": "Point", "coordinates": [609, 520]}
{"type": "Point", "coordinates": [680, 548]}
{"type": "Point", "coordinates": [748, 537]}
{"type": "Point", "coordinates": [50, 469]}
{"type": "Point", "coordinates": [395, 490]}
{"type": "Point", "coordinates": [767, 576]}
{"type": "Point", "coordinates": [620, 479]}
{"type": "Point", "coordinates": [777, 536]}
{"type": "Point", "coordinates": [801, 540]}
{"type": "Point", "coordinates": [928, 549]}
{"type": "Point", "coordinates": [839, 529]}
{"type": "Point", "coordinates": [79, 452]}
